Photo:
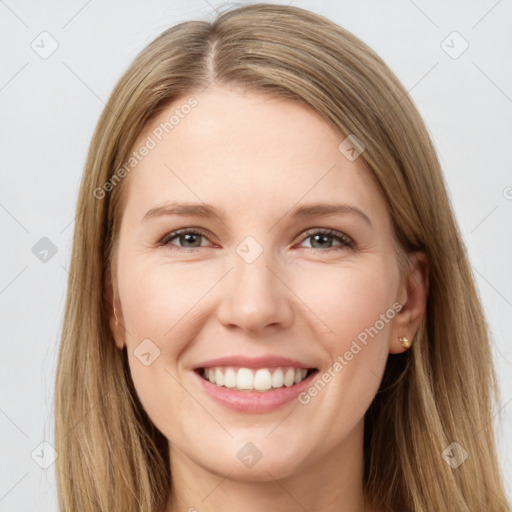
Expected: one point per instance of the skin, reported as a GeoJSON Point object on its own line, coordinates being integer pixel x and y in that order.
{"type": "Point", "coordinates": [257, 158]}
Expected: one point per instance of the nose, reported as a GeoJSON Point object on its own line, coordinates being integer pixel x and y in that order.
{"type": "Point", "coordinates": [255, 297]}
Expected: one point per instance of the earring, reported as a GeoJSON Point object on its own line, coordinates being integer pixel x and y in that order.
{"type": "Point", "coordinates": [404, 341]}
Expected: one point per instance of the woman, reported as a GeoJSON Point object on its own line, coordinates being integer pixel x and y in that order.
{"type": "Point", "coordinates": [270, 306]}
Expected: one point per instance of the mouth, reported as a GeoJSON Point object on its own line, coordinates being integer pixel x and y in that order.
{"type": "Point", "coordinates": [255, 379]}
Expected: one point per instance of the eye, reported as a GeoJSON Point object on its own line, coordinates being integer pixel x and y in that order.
{"type": "Point", "coordinates": [191, 238]}
{"type": "Point", "coordinates": [320, 239]}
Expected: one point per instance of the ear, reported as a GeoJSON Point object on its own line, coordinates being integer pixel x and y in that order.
{"type": "Point", "coordinates": [116, 324]}
{"type": "Point", "coordinates": [413, 296]}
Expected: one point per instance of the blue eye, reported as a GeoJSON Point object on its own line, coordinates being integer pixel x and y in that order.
{"type": "Point", "coordinates": [321, 235]}
{"type": "Point", "coordinates": [192, 239]}
{"type": "Point", "coordinates": [186, 236]}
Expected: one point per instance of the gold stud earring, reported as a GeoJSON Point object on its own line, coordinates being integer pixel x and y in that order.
{"type": "Point", "coordinates": [404, 341]}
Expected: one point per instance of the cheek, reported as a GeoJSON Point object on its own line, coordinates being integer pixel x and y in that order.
{"type": "Point", "coordinates": [159, 299]}
{"type": "Point", "coordinates": [355, 306]}
{"type": "Point", "coordinates": [164, 303]}
{"type": "Point", "coordinates": [349, 299]}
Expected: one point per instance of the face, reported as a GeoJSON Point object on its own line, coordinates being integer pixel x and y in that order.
{"type": "Point", "coordinates": [254, 285]}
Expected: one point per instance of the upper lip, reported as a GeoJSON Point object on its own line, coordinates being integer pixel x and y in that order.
{"type": "Point", "coordinates": [254, 362]}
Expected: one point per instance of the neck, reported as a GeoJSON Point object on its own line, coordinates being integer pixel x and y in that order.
{"type": "Point", "coordinates": [331, 483]}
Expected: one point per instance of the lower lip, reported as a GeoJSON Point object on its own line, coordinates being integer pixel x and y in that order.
{"type": "Point", "coordinates": [254, 401]}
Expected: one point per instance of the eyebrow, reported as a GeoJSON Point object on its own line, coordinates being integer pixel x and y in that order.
{"type": "Point", "coordinates": [207, 211]}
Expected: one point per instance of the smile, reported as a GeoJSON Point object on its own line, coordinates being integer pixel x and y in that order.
{"type": "Point", "coordinates": [254, 384]}
{"type": "Point", "coordinates": [257, 379]}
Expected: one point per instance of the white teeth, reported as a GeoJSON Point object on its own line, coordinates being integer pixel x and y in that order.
{"type": "Point", "coordinates": [289, 377]}
{"type": "Point", "coordinates": [245, 379]}
{"type": "Point", "coordinates": [261, 379]}
{"type": "Point", "coordinates": [219, 378]}
{"type": "Point", "coordinates": [230, 378]}
{"type": "Point", "coordinates": [277, 378]}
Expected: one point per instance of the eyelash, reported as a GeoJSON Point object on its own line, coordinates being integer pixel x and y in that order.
{"type": "Point", "coordinates": [345, 241]}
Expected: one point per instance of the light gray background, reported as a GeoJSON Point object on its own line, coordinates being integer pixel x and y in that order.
{"type": "Point", "coordinates": [50, 108]}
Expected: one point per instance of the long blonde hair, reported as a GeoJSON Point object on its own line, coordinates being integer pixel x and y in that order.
{"type": "Point", "coordinates": [443, 390]}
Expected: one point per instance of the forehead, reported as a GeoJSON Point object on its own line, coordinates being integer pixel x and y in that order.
{"type": "Point", "coordinates": [245, 149]}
